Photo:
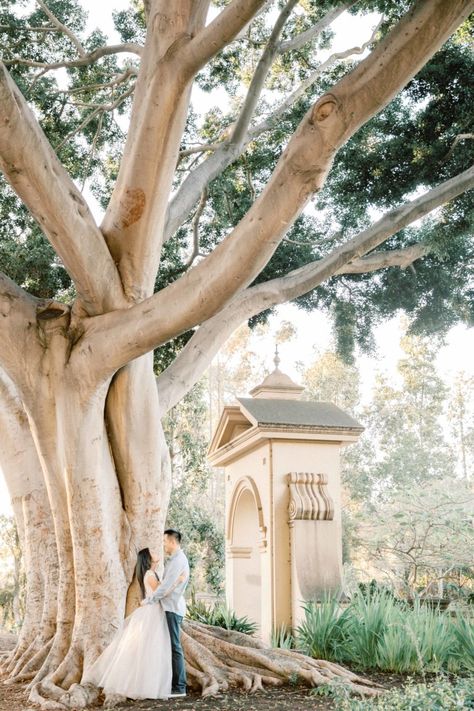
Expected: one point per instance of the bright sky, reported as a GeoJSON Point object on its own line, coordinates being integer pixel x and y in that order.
{"type": "Point", "coordinates": [314, 336]}
{"type": "Point", "coordinates": [314, 330]}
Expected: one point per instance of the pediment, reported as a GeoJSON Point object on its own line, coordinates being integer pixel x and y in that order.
{"type": "Point", "coordinates": [242, 426]}
{"type": "Point", "coordinates": [231, 425]}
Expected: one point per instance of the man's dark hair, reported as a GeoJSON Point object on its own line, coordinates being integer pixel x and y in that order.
{"type": "Point", "coordinates": [172, 533]}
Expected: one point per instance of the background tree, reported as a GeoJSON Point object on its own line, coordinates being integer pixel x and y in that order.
{"type": "Point", "coordinates": [197, 497]}
{"type": "Point", "coordinates": [408, 446]}
{"type": "Point", "coordinates": [461, 418]}
{"type": "Point", "coordinates": [80, 365]}
{"type": "Point", "coordinates": [405, 421]}
{"type": "Point", "coordinates": [421, 538]}
{"type": "Point", "coordinates": [12, 585]}
{"type": "Point", "coordinates": [330, 379]}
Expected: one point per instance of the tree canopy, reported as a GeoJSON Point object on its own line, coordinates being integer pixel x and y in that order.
{"type": "Point", "coordinates": [420, 139]}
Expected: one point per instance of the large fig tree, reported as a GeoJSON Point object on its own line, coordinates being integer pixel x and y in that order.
{"type": "Point", "coordinates": [182, 256]}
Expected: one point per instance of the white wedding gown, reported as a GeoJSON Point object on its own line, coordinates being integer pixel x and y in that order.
{"type": "Point", "coordinates": [137, 662]}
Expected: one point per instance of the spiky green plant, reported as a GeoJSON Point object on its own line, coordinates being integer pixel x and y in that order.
{"type": "Point", "coordinates": [320, 633]}
{"type": "Point", "coordinates": [463, 631]}
{"type": "Point", "coordinates": [376, 631]}
{"type": "Point", "coordinates": [282, 638]}
{"type": "Point", "coordinates": [367, 619]}
{"type": "Point", "coordinates": [219, 615]}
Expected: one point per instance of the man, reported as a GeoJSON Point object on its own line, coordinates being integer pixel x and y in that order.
{"type": "Point", "coordinates": [171, 595]}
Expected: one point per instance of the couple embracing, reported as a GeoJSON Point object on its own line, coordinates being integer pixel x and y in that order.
{"type": "Point", "coordinates": [145, 659]}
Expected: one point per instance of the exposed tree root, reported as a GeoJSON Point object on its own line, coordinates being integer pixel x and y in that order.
{"type": "Point", "coordinates": [52, 690]}
{"type": "Point", "coordinates": [9, 659]}
{"type": "Point", "coordinates": [219, 659]}
{"type": "Point", "coordinates": [216, 661]}
{"type": "Point", "coordinates": [28, 666]}
{"type": "Point", "coordinates": [20, 656]}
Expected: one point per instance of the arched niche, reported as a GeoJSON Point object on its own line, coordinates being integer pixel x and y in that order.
{"type": "Point", "coordinates": [246, 535]}
{"type": "Point", "coordinates": [245, 484]}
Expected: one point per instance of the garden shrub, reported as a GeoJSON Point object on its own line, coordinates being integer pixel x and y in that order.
{"type": "Point", "coordinates": [440, 695]}
{"type": "Point", "coordinates": [218, 615]}
{"type": "Point", "coordinates": [376, 631]}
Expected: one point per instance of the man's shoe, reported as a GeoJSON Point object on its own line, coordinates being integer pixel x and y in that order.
{"type": "Point", "coordinates": [176, 694]}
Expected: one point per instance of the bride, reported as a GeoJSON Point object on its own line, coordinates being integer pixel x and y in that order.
{"type": "Point", "coordinates": [137, 662]}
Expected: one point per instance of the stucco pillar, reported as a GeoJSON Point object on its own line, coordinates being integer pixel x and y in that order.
{"type": "Point", "coordinates": [315, 541]}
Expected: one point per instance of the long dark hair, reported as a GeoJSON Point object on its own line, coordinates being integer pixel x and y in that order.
{"type": "Point", "coordinates": [143, 564]}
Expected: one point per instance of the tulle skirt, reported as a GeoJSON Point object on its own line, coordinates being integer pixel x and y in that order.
{"type": "Point", "coordinates": [137, 662]}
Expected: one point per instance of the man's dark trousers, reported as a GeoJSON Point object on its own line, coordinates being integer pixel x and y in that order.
{"type": "Point", "coordinates": [178, 685]}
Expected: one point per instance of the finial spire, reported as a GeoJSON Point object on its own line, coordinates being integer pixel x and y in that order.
{"type": "Point", "coordinates": [277, 384]}
{"type": "Point", "coordinates": [276, 359]}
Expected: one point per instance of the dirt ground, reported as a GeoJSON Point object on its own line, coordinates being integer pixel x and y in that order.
{"type": "Point", "coordinates": [13, 698]}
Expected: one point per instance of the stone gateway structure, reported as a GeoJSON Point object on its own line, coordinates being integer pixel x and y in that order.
{"type": "Point", "coordinates": [281, 457]}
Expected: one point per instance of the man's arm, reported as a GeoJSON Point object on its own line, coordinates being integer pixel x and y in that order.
{"type": "Point", "coordinates": [173, 575]}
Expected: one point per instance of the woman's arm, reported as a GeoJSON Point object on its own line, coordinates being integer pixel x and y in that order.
{"type": "Point", "coordinates": [152, 579]}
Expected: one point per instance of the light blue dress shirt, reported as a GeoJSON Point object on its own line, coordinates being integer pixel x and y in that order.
{"type": "Point", "coordinates": [170, 594]}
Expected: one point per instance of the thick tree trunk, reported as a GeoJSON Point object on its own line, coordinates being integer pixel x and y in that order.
{"type": "Point", "coordinates": [138, 448]}
{"type": "Point", "coordinates": [24, 478]}
{"type": "Point", "coordinates": [91, 531]}
{"type": "Point", "coordinates": [74, 502]}
{"type": "Point", "coordinates": [41, 565]}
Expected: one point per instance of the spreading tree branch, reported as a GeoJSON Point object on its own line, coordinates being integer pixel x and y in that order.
{"type": "Point", "coordinates": [83, 61]}
{"type": "Point", "coordinates": [272, 48]}
{"type": "Point", "coordinates": [228, 151]}
{"type": "Point", "coordinates": [195, 225]}
{"type": "Point", "coordinates": [457, 140]}
{"type": "Point", "coordinates": [301, 171]}
{"type": "Point", "coordinates": [114, 82]}
{"type": "Point", "coordinates": [133, 222]}
{"type": "Point", "coordinates": [62, 28]}
{"type": "Point", "coordinates": [28, 28]}
{"type": "Point", "coordinates": [199, 148]}
{"type": "Point", "coordinates": [304, 37]}
{"type": "Point", "coordinates": [376, 80]}
{"type": "Point", "coordinates": [219, 33]}
{"type": "Point", "coordinates": [269, 122]}
{"type": "Point", "coordinates": [97, 110]}
{"type": "Point", "coordinates": [32, 168]}
{"type": "Point", "coordinates": [402, 258]}
{"type": "Point", "coordinates": [192, 361]}
{"type": "Point", "coordinates": [258, 79]}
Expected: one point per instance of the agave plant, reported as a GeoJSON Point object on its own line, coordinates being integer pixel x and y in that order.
{"type": "Point", "coordinates": [282, 638]}
{"type": "Point", "coordinates": [321, 632]}
{"type": "Point", "coordinates": [218, 615]}
{"type": "Point", "coordinates": [368, 617]}
{"type": "Point", "coordinates": [463, 631]}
